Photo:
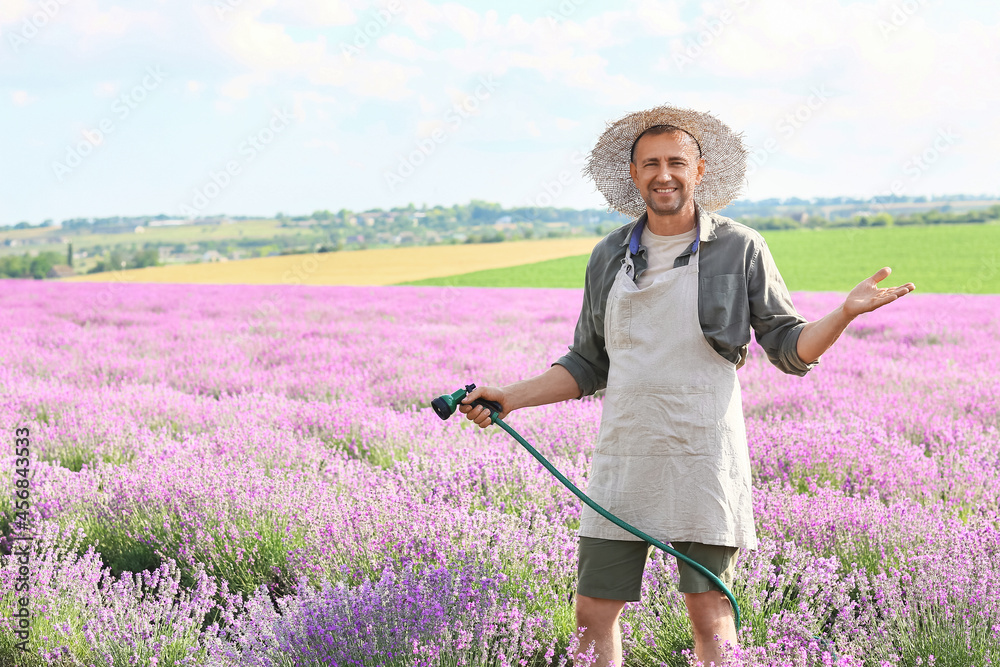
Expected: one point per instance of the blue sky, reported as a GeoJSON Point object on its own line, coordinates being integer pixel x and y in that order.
{"type": "Point", "coordinates": [255, 106]}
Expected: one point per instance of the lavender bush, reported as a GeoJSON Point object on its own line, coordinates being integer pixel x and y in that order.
{"type": "Point", "coordinates": [230, 475]}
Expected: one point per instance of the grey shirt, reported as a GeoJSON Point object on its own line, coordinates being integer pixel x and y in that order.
{"type": "Point", "coordinates": [739, 287]}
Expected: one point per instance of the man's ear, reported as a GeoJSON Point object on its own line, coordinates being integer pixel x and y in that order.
{"type": "Point", "coordinates": [633, 172]}
{"type": "Point", "coordinates": [701, 170]}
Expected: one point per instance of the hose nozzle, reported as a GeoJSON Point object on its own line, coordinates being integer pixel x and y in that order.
{"type": "Point", "coordinates": [446, 404]}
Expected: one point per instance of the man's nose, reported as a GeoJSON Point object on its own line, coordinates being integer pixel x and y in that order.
{"type": "Point", "coordinates": [664, 177]}
{"type": "Point", "coordinates": [664, 174]}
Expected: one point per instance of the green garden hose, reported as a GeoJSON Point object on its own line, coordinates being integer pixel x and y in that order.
{"type": "Point", "coordinates": [446, 405]}
{"type": "Point", "coordinates": [615, 520]}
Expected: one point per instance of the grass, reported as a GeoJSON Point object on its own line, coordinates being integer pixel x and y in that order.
{"type": "Point", "coordinates": [562, 272]}
{"type": "Point", "coordinates": [937, 258]}
{"type": "Point", "coordinates": [245, 551]}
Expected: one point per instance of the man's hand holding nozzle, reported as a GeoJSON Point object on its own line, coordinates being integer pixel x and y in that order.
{"type": "Point", "coordinates": [479, 414]}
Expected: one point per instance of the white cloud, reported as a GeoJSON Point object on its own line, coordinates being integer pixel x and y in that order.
{"type": "Point", "coordinates": [564, 124]}
{"type": "Point", "coordinates": [223, 107]}
{"type": "Point", "coordinates": [107, 89]}
{"type": "Point", "coordinates": [15, 11]}
{"type": "Point", "coordinates": [884, 83]}
{"type": "Point", "coordinates": [466, 22]}
{"type": "Point", "coordinates": [324, 144]}
{"type": "Point", "coordinates": [765, 38]}
{"type": "Point", "coordinates": [265, 46]}
{"type": "Point", "coordinates": [92, 22]}
{"type": "Point", "coordinates": [426, 105]}
{"type": "Point", "coordinates": [304, 102]}
{"type": "Point", "coordinates": [22, 98]}
{"type": "Point", "coordinates": [404, 47]}
{"type": "Point", "coordinates": [240, 87]}
{"type": "Point", "coordinates": [587, 71]}
{"type": "Point", "coordinates": [268, 52]}
{"type": "Point", "coordinates": [380, 79]}
{"type": "Point", "coordinates": [566, 51]}
{"type": "Point", "coordinates": [311, 12]}
{"type": "Point", "coordinates": [420, 16]}
{"type": "Point", "coordinates": [426, 128]}
{"type": "Point", "coordinates": [564, 68]}
{"type": "Point", "coordinates": [660, 17]}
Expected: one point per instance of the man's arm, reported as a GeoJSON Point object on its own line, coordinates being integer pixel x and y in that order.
{"type": "Point", "coordinates": [554, 385]}
{"type": "Point", "coordinates": [817, 337]}
{"type": "Point", "coordinates": [773, 318]}
{"type": "Point", "coordinates": [580, 372]}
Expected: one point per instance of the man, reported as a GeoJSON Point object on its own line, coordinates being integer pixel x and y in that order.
{"type": "Point", "coordinates": [668, 305]}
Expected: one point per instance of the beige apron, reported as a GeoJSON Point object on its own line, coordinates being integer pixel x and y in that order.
{"type": "Point", "coordinates": [671, 456]}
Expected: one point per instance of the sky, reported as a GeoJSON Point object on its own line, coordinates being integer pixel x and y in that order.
{"type": "Point", "coordinates": [254, 107]}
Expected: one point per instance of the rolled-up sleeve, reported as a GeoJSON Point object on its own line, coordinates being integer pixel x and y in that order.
{"type": "Point", "coordinates": [775, 321]}
{"type": "Point", "coordinates": [587, 359]}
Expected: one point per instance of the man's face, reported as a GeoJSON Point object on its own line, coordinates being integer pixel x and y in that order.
{"type": "Point", "coordinates": [666, 170]}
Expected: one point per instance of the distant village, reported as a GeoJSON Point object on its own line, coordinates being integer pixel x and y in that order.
{"type": "Point", "coordinates": [52, 249]}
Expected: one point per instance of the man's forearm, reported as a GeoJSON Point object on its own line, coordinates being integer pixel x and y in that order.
{"type": "Point", "coordinates": [817, 337]}
{"type": "Point", "coordinates": [554, 385]}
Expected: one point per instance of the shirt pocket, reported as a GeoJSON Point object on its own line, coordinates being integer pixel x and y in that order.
{"type": "Point", "coordinates": [728, 309]}
{"type": "Point", "coordinates": [618, 323]}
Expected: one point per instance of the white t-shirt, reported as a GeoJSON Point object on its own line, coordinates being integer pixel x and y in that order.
{"type": "Point", "coordinates": [661, 251]}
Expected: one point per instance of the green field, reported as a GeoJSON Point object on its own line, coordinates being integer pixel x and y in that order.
{"type": "Point", "coordinates": [939, 258]}
{"type": "Point", "coordinates": [562, 272]}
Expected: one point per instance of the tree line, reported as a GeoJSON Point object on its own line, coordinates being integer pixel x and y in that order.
{"type": "Point", "coordinates": [38, 266]}
{"type": "Point", "coordinates": [881, 218]}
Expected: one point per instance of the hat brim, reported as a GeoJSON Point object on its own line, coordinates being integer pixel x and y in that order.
{"type": "Point", "coordinates": [723, 150]}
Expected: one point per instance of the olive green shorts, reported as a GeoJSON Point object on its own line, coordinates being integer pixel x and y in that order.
{"type": "Point", "coordinates": [612, 569]}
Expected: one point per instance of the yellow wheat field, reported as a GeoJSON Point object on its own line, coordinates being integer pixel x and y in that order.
{"type": "Point", "coordinates": [360, 267]}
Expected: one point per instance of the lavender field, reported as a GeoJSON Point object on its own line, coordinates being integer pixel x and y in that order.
{"type": "Point", "coordinates": [252, 475]}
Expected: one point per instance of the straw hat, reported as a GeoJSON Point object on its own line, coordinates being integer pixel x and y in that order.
{"type": "Point", "coordinates": [723, 150]}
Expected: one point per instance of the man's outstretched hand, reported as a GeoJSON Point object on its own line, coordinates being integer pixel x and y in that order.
{"type": "Point", "coordinates": [817, 337]}
{"type": "Point", "coordinates": [868, 296]}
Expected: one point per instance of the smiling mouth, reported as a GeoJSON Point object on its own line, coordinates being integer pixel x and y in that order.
{"type": "Point", "coordinates": [664, 191]}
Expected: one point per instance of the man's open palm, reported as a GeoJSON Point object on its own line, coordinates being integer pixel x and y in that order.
{"type": "Point", "coordinates": [868, 296]}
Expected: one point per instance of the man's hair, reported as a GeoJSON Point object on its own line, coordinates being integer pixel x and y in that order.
{"type": "Point", "coordinates": [662, 129]}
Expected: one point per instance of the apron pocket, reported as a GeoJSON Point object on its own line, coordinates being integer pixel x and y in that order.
{"type": "Point", "coordinates": [659, 421]}
{"type": "Point", "coordinates": [617, 324]}
{"type": "Point", "coordinates": [728, 304]}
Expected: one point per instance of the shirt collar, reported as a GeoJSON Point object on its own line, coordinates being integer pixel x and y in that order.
{"type": "Point", "coordinates": [705, 224]}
